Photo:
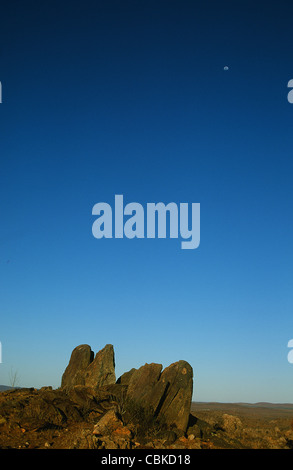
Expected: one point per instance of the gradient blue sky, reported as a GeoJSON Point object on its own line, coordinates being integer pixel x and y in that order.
{"type": "Point", "coordinates": [110, 97]}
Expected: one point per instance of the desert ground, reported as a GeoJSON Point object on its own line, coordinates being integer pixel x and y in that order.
{"type": "Point", "coordinates": [47, 419]}
{"type": "Point", "coordinates": [145, 408]}
{"type": "Point", "coordinates": [245, 425]}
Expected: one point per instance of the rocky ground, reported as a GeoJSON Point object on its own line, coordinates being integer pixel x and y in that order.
{"type": "Point", "coordinates": [54, 419]}
{"type": "Point", "coordinates": [146, 408]}
{"type": "Point", "coordinates": [249, 426]}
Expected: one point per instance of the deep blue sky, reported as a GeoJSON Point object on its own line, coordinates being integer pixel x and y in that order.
{"type": "Point", "coordinates": [110, 97]}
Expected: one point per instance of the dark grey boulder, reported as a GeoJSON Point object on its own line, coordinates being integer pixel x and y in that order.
{"type": "Point", "coordinates": [85, 369]}
{"type": "Point", "coordinates": [80, 359]}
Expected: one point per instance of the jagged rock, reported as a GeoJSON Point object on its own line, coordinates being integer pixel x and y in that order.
{"type": "Point", "coordinates": [39, 410]}
{"type": "Point", "coordinates": [167, 394]}
{"type": "Point", "coordinates": [111, 393]}
{"type": "Point", "coordinates": [80, 359]}
{"type": "Point", "coordinates": [142, 383]}
{"type": "Point", "coordinates": [101, 371]}
{"type": "Point", "coordinates": [175, 408]}
{"type": "Point", "coordinates": [85, 369]}
{"type": "Point", "coordinates": [107, 424]}
{"type": "Point", "coordinates": [124, 379]}
{"type": "Point", "coordinates": [84, 397]}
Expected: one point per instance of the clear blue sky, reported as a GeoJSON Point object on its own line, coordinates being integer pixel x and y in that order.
{"type": "Point", "coordinates": [109, 97]}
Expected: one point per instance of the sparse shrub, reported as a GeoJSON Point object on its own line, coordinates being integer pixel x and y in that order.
{"type": "Point", "coordinates": [13, 378]}
{"type": "Point", "coordinates": [140, 418]}
{"type": "Point", "coordinates": [120, 403]}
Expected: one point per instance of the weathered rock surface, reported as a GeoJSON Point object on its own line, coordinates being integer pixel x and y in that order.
{"type": "Point", "coordinates": [84, 397]}
{"type": "Point", "coordinates": [125, 378]}
{"type": "Point", "coordinates": [80, 359]}
{"type": "Point", "coordinates": [142, 385]}
{"type": "Point", "coordinates": [35, 410]}
{"type": "Point", "coordinates": [168, 394]}
{"type": "Point", "coordinates": [107, 424]}
{"type": "Point", "coordinates": [101, 371]}
{"type": "Point", "coordinates": [85, 369]}
{"type": "Point", "coordinates": [176, 402]}
{"type": "Point", "coordinates": [156, 396]}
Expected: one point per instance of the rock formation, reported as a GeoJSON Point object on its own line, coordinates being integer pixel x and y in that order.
{"type": "Point", "coordinates": [125, 378]}
{"type": "Point", "coordinates": [164, 396]}
{"type": "Point", "coordinates": [176, 402]}
{"type": "Point", "coordinates": [168, 394]}
{"type": "Point", "coordinates": [147, 408]}
{"type": "Point", "coordinates": [80, 359]}
{"type": "Point", "coordinates": [142, 384]}
{"type": "Point", "coordinates": [84, 369]}
{"type": "Point", "coordinates": [101, 370]}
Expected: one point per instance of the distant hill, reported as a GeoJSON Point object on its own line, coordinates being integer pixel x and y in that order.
{"type": "Point", "coordinates": [4, 387]}
{"type": "Point", "coordinates": [264, 404]}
